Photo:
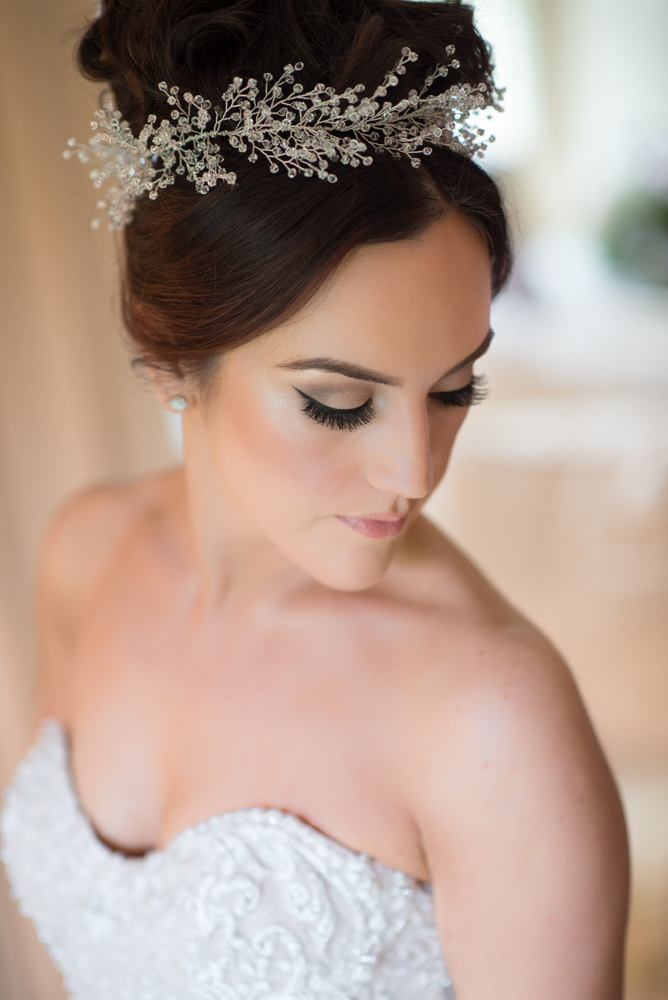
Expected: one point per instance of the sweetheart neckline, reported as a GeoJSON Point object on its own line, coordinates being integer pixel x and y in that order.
{"type": "Point", "coordinates": [271, 814]}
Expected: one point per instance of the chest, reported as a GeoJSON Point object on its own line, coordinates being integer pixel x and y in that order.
{"type": "Point", "coordinates": [253, 903]}
{"type": "Point", "coordinates": [176, 718]}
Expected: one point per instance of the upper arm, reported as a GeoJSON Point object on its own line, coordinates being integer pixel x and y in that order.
{"type": "Point", "coordinates": [77, 550]}
{"type": "Point", "coordinates": [524, 835]}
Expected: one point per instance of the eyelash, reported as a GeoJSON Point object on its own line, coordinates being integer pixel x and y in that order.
{"type": "Point", "coordinates": [351, 420]}
{"type": "Point", "coordinates": [338, 420]}
{"type": "Point", "coordinates": [468, 395]}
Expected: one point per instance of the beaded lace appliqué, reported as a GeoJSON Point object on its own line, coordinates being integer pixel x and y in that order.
{"type": "Point", "coordinates": [250, 905]}
{"type": "Point", "coordinates": [303, 132]}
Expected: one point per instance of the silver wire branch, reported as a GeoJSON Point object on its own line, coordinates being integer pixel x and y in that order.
{"type": "Point", "coordinates": [302, 132]}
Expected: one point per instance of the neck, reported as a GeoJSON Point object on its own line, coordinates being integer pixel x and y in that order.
{"type": "Point", "coordinates": [235, 559]}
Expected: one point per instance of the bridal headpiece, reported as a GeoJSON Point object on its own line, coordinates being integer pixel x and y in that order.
{"type": "Point", "coordinates": [302, 132]}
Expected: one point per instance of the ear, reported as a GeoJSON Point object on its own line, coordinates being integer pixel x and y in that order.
{"type": "Point", "coordinates": [167, 384]}
{"type": "Point", "coordinates": [171, 390]}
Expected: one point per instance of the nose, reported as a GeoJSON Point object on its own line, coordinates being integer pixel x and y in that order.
{"type": "Point", "coordinates": [401, 460]}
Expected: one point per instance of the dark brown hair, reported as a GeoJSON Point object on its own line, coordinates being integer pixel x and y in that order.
{"type": "Point", "coordinates": [204, 274]}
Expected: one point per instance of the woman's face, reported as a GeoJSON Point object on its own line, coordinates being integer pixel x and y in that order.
{"type": "Point", "coordinates": [329, 433]}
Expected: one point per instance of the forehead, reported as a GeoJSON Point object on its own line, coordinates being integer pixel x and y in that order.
{"type": "Point", "coordinates": [414, 304]}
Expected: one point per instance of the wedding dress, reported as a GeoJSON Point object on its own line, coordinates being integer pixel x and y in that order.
{"type": "Point", "coordinates": [251, 905]}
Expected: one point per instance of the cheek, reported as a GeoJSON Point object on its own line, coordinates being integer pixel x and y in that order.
{"type": "Point", "coordinates": [267, 452]}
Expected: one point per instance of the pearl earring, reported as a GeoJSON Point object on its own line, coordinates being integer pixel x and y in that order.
{"type": "Point", "coordinates": [178, 403]}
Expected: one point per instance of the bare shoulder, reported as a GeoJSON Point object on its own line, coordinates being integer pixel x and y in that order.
{"type": "Point", "coordinates": [79, 547]}
{"type": "Point", "coordinates": [518, 815]}
{"type": "Point", "coordinates": [84, 534]}
{"type": "Point", "coordinates": [490, 687]}
{"type": "Point", "coordinates": [476, 639]}
{"type": "Point", "coordinates": [499, 699]}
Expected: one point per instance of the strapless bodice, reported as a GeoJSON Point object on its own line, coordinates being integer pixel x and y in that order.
{"type": "Point", "coordinates": [250, 905]}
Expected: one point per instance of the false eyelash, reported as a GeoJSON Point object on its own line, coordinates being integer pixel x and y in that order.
{"type": "Point", "coordinates": [341, 420]}
{"type": "Point", "coordinates": [468, 395]}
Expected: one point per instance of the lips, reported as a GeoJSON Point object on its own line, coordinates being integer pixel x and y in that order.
{"type": "Point", "coordinates": [380, 526]}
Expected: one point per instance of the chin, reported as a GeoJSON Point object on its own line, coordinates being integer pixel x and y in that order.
{"type": "Point", "coordinates": [350, 571]}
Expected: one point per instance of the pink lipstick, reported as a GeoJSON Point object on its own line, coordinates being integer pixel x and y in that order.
{"type": "Point", "coordinates": [375, 526]}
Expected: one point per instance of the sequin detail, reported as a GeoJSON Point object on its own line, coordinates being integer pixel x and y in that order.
{"type": "Point", "coordinates": [250, 905]}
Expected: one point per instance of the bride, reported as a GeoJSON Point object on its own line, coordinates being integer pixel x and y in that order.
{"type": "Point", "coordinates": [293, 744]}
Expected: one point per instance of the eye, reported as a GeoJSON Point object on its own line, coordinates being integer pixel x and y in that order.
{"type": "Point", "coordinates": [468, 395]}
{"type": "Point", "coordinates": [340, 420]}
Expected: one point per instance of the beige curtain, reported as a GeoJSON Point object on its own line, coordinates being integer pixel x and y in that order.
{"type": "Point", "coordinates": [71, 413]}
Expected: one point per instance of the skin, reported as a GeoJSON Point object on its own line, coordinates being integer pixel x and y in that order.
{"type": "Point", "coordinates": [217, 638]}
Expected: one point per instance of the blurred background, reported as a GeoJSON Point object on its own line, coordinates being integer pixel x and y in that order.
{"type": "Point", "coordinates": [559, 484]}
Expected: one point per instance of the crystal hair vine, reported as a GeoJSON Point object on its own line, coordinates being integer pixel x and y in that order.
{"type": "Point", "coordinates": [301, 132]}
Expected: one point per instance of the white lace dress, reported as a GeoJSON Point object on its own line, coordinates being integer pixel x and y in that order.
{"type": "Point", "coordinates": [250, 905]}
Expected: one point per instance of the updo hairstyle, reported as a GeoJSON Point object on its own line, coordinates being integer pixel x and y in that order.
{"type": "Point", "coordinates": [205, 274]}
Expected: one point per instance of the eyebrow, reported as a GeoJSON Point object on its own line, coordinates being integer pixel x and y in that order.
{"type": "Point", "coordinates": [367, 374]}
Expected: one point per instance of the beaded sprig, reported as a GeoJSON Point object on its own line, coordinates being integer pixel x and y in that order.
{"type": "Point", "coordinates": [302, 132]}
